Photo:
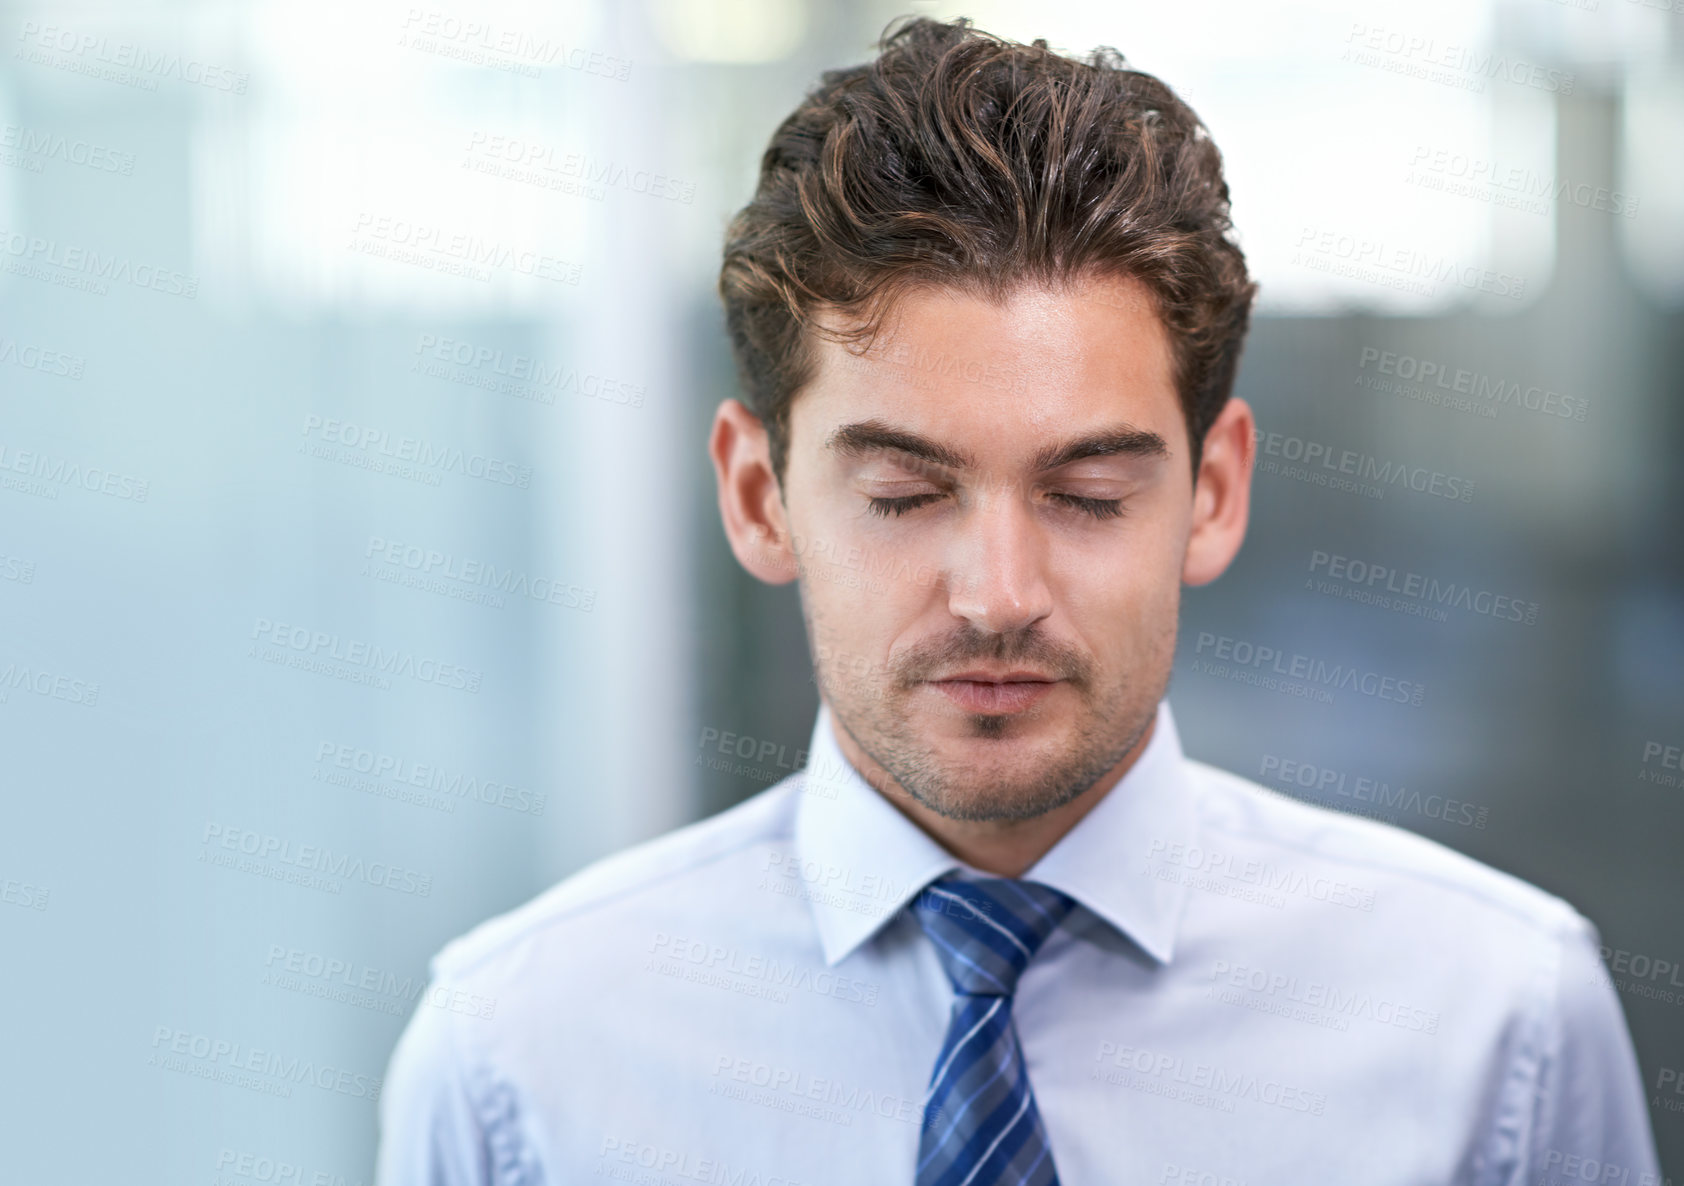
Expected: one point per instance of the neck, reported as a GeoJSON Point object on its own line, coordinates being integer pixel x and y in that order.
{"type": "Point", "coordinates": [1002, 848]}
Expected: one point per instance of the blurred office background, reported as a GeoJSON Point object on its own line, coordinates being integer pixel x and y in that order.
{"type": "Point", "coordinates": [355, 368]}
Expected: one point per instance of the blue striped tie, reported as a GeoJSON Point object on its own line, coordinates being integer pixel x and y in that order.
{"type": "Point", "coordinates": [981, 1126]}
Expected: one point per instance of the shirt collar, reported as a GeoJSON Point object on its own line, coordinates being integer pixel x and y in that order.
{"type": "Point", "coordinates": [862, 860]}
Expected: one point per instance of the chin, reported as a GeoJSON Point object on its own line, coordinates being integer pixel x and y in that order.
{"type": "Point", "coordinates": [996, 803]}
{"type": "Point", "coordinates": [1000, 763]}
{"type": "Point", "coordinates": [978, 731]}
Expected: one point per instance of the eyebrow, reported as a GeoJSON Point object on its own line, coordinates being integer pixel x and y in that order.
{"type": "Point", "coordinates": [873, 436]}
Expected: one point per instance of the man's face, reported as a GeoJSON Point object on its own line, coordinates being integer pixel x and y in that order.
{"type": "Point", "coordinates": [990, 510]}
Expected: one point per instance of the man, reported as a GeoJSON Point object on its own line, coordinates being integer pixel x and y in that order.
{"type": "Point", "coordinates": [987, 313]}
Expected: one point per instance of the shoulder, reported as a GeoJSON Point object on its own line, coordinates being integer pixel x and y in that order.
{"type": "Point", "coordinates": [1379, 856]}
{"type": "Point", "coordinates": [621, 884]}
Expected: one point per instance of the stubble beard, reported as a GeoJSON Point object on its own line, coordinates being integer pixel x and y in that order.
{"type": "Point", "coordinates": [878, 716]}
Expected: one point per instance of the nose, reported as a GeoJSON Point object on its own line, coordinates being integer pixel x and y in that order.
{"type": "Point", "coordinates": [996, 571]}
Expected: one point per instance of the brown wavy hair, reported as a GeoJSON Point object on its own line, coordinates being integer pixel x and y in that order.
{"type": "Point", "coordinates": [961, 160]}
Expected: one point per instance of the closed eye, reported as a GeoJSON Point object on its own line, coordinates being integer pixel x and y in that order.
{"type": "Point", "coordinates": [899, 506]}
{"type": "Point", "coordinates": [1099, 508]}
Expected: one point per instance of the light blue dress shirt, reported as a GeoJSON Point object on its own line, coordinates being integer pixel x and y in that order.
{"type": "Point", "coordinates": [1251, 990]}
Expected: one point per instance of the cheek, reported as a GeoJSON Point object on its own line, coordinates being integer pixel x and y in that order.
{"type": "Point", "coordinates": [858, 589]}
{"type": "Point", "coordinates": [1123, 600]}
{"type": "Point", "coordinates": [850, 559]}
{"type": "Point", "coordinates": [1126, 572]}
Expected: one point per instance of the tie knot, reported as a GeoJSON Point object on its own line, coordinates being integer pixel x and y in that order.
{"type": "Point", "coordinates": [987, 929]}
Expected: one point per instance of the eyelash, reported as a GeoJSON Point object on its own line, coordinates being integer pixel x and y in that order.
{"type": "Point", "coordinates": [1099, 508]}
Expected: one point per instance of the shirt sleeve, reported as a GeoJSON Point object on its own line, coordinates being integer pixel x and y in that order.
{"type": "Point", "coordinates": [430, 1134]}
{"type": "Point", "coordinates": [1593, 1117]}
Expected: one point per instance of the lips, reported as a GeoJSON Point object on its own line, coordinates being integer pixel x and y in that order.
{"type": "Point", "coordinates": [1009, 692]}
{"type": "Point", "coordinates": [1021, 675]}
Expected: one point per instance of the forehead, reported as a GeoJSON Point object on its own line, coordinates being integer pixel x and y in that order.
{"type": "Point", "coordinates": [1003, 377]}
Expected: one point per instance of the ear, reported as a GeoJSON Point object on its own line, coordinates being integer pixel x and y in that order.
{"type": "Point", "coordinates": [750, 500]}
{"type": "Point", "coordinates": [1221, 495]}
